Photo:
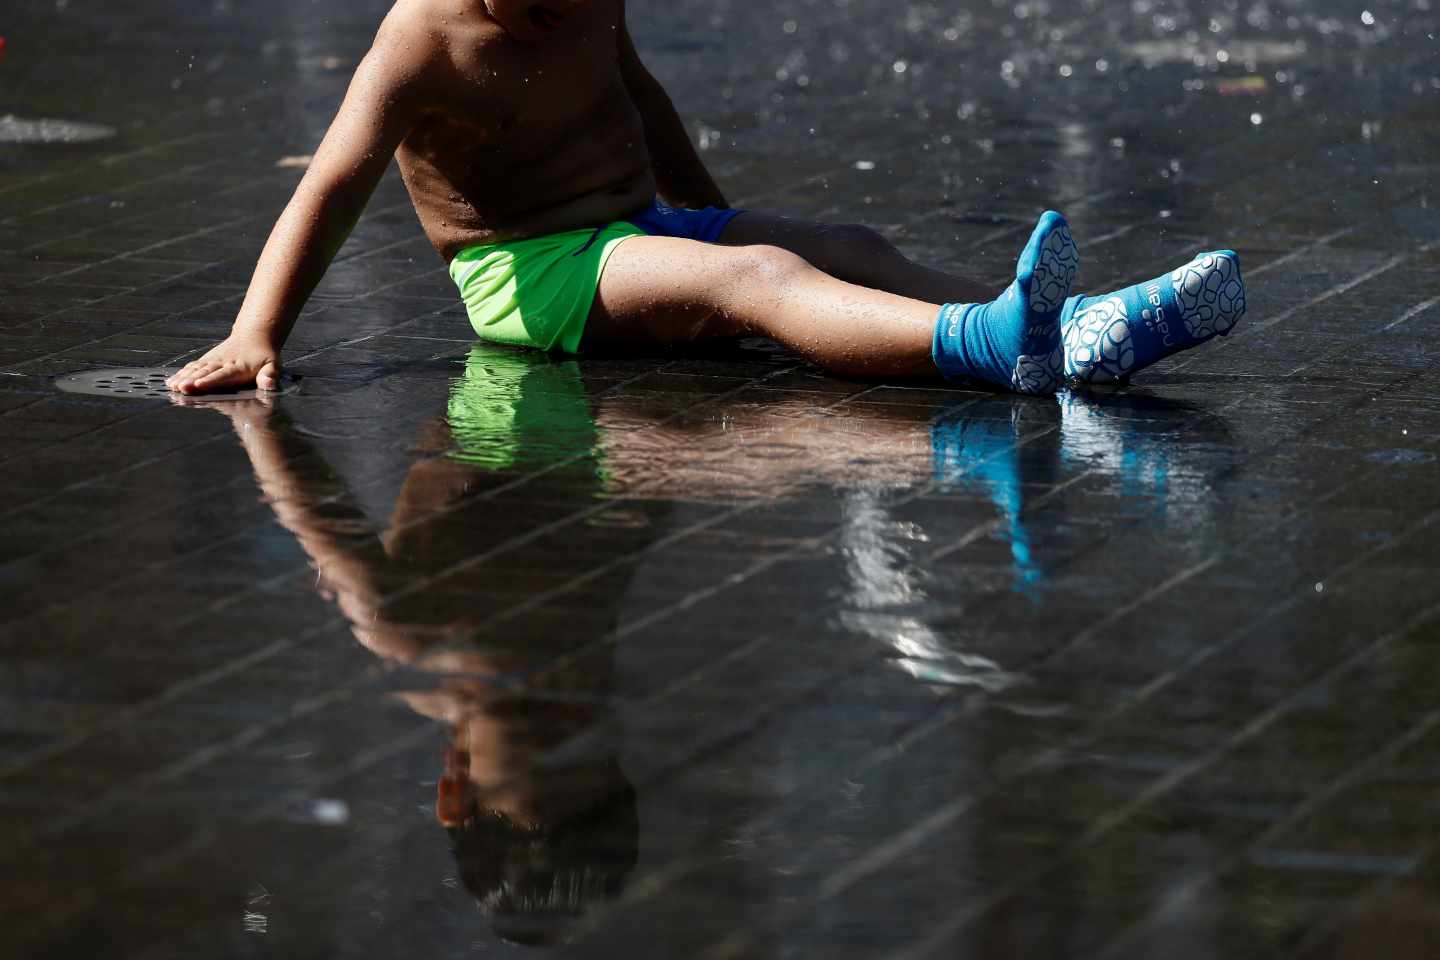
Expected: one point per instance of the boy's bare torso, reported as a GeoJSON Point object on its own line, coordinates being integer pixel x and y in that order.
{"type": "Point", "coordinates": [523, 139]}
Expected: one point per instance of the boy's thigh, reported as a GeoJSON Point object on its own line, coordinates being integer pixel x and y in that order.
{"type": "Point", "coordinates": [662, 290]}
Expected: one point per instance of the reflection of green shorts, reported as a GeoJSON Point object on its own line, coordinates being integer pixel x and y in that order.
{"type": "Point", "coordinates": [511, 408]}
{"type": "Point", "coordinates": [536, 292]}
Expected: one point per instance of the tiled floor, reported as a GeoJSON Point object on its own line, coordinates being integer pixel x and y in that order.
{"type": "Point", "coordinates": [781, 665]}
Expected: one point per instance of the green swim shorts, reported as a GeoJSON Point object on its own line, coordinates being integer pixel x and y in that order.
{"type": "Point", "coordinates": [536, 292]}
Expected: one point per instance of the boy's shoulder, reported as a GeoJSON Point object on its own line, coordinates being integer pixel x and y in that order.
{"type": "Point", "coordinates": [438, 21]}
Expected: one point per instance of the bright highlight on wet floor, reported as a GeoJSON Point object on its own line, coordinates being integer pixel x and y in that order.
{"type": "Point", "coordinates": [719, 479]}
{"type": "Point", "coordinates": [15, 129]}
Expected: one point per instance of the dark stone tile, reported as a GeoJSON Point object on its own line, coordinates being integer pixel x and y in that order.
{"type": "Point", "coordinates": [890, 668]}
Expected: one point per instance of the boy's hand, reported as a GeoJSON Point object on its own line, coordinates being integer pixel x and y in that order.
{"type": "Point", "coordinates": [386, 96]}
{"type": "Point", "coordinates": [236, 363]}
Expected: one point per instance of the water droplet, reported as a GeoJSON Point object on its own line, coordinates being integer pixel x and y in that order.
{"type": "Point", "coordinates": [331, 813]}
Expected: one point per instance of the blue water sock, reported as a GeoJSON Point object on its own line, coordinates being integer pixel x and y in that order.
{"type": "Point", "coordinates": [1013, 342]}
{"type": "Point", "coordinates": [1110, 337]}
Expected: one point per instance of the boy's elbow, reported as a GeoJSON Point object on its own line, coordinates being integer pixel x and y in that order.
{"type": "Point", "coordinates": [317, 193]}
{"type": "Point", "coordinates": [329, 201]}
{"type": "Point", "coordinates": [335, 180]}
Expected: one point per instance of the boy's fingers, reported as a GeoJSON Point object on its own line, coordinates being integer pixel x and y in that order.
{"type": "Point", "coordinates": [181, 380]}
{"type": "Point", "coordinates": [185, 380]}
{"type": "Point", "coordinates": [191, 370]}
{"type": "Point", "coordinates": [219, 377]}
{"type": "Point", "coordinates": [222, 376]}
{"type": "Point", "coordinates": [181, 374]}
{"type": "Point", "coordinates": [204, 374]}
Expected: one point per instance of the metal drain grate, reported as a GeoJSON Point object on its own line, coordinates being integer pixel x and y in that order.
{"type": "Point", "coordinates": [148, 383]}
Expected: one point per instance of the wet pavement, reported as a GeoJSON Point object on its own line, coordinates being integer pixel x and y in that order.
{"type": "Point", "coordinates": [460, 651]}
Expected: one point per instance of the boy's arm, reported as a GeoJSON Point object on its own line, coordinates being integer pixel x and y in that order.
{"type": "Point", "coordinates": [380, 108]}
{"type": "Point", "coordinates": [348, 556]}
{"type": "Point", "coordinates": [679, 172]}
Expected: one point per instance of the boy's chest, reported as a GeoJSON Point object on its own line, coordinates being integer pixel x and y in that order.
{"type": "Point", "coordinates": [517, 88]}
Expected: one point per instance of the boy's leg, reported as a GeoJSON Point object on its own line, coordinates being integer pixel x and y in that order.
{"type": "Point", "coordinates": [667, 290]}
{"type": "Point", "coordinates": [662, 289]}
{"type": "Point", "coordinates": [855, 253]}
{"type": "Point", "coordinates": [1106, 338]}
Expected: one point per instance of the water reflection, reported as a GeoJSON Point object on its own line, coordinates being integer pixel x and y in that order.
{"type": "Point", "coordinates": [1162, 456]}
{"type": "Point", "coordinates": [1155, 459]}
{"type": "Point", "coordinates": [534, 485]}
{"type": "Point", "coordinates": [541, 816]}
{"type": "Point", "coordinates": [981, 449]}
{"type": "Point", "coordinates": [1005, 449]}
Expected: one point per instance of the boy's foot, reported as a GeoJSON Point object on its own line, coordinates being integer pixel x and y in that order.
{"type": "Point", "coordinates": [1110, 337]}
{"type": "Point", "coordinates": [1013, 342]}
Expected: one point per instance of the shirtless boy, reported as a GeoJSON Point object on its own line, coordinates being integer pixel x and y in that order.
{"type": "Point", "coordinates": [533, 143]}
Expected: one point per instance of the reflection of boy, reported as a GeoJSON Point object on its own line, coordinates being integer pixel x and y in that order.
{"type": "Point", "coordinates": [538, 841]}
{"type": "Point", "coordinates": [542, 818]}
{"type": "Point", "coordinates": [533, 141]}
{"type": "Point", "coordinates": [542, 843]}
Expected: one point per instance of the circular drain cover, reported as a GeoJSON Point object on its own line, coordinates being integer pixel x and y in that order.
{"type": "Point", "coordinates": [148, 383]}
{"type": "Point", "coordinates": [15, 129]}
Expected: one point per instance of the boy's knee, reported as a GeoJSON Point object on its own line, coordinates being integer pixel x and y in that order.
{"type": "Point", "coordinates": [854, 252]}
{"type": "Point", "coordinates": [857, 239]}
{"type": "Point", "coordinates": [767, 264]}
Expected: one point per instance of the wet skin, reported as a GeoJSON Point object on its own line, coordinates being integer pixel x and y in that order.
{"type": "Point", "coordinates": [507, 120]}
{"type": "Point", "coordinates": [510, 120]}
{"type": "Point", "coordinates": [537, 131]}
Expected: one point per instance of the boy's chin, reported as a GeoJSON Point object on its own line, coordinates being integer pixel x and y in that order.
{"type": "Point", "coordinates": [527, 19]}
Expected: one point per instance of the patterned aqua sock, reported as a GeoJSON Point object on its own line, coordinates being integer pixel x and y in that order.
{"type": "Point", "coordinates": [1013, 342]}
{"type": "Point", "coordinates": [1110, 337]}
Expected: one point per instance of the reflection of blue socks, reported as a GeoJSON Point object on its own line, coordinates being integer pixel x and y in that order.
{"type": "Point", "coordinates": [1132, 442]}
{"type": "Point", "coordinates": [1112, 336]}
{"type": "Point", "coordinates": [980, 447]}
{"type": "Point", "coordinates": [1013, 342]}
